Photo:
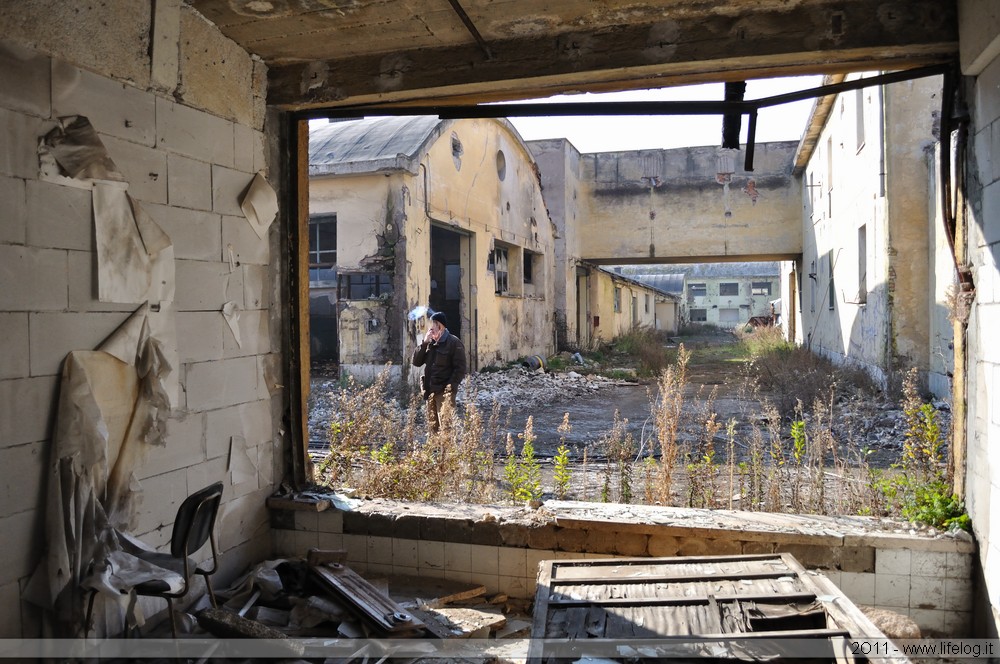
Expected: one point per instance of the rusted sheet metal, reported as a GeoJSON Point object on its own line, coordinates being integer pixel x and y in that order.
{"type": "Point", "coordinates": [369, 601]}
{"type": "Point", "coordinates": [764, 600]}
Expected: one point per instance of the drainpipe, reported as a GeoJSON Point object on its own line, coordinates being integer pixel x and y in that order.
{"type": "Point", "coordinates": [890, 360]}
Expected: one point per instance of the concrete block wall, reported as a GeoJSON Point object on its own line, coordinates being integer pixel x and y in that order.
{"type": "Point", "coordinates": [187, 167]}
{"type": "Point", "coordinates": [928, 579]}
{"type": "Point", "coordinates": [979, 31]}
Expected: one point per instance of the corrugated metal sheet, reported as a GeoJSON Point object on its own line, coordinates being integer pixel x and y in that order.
{"type": "Point", "coordinates": [368, 144]}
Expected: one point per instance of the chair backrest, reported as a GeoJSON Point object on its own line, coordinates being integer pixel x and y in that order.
{"type": "Point", "coordinates": [195, 520]}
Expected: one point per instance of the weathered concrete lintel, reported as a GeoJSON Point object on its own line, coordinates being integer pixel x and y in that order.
{"type": "Point", "coordinates": [673, 258]}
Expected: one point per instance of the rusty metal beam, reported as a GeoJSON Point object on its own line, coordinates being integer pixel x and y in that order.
{"type": "Point", "coordinates": [471, 27]}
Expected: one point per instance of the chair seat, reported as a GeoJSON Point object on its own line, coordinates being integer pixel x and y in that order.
{"type": "Point", "coordinates": [167, 562]}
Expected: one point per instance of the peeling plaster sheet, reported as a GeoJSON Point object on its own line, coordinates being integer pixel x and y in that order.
{"type": "Point", "coordinates": [78, 150]}
{"type": "Point", "coordinates": [242, 469]}
{"type": "Point", "coordinates": [231, 312]}
{"type": "Point", "coordinates": [113, 404]}
{"type": "Point", "coordinates": [260, 205]}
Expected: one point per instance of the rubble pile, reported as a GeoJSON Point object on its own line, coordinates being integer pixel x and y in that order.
{"type": "Point", "coordinates": [527, 389]}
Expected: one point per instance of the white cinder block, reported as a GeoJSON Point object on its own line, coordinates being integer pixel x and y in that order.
{"type": "Point", "coordinates": [201, 475]}
{"type": "Point", "coordinates": [929, 563]}
{"type": "Point", "coordinates": [24, 468]}
{"type": "Point", "coordinates": [243, 148]}
{"type": "Point", "coordinates": [959, 565]}
{"type": "Point", "coordinates": [244, 519]}
{"type": "Point", "coordinates": [194, 133]}
{"type": "Point", "coordinates": [53, 335]}
{"type": "Point", "coordinates": [12, 219]}
{"type": "Point", "coordinates": [59, 217]}
{"type": "Point", "coordinates": [306, 520]}
{"type": "Point", "coordinates": [144, 168]}
{"type": "Point", "coordinates": [485, 559]}
{"type": "Point", "coordinates": [33, 279]}
{"type": "Point", "coordinates": [892, 561]}
{"type": "Point", "coordinates": [404, 552]}
{"type": "Point", "coordinates": [259, 153]}
{"type": "Point", "coordinates": [240, 238]}
{"type": "Point", "coordinates": [25, 80]}
{"type": "Point", "coordinates": [252, 421]}
{"type": "Point", "coordinates": [516, 586]}
{"type": "Point", "coordinates": [10, 605]}
{"type": "Point", "coordinates": [199, 335]}
{"type": "Point", "coordinates": [212, 385]}
{"type": "Point", "coordinates": [357, 548]}
{"type": "Point", "coordinates": [929, 621]}
{"type": "Point", "coordinates": [268, 454]}
{"type": "Point", "coordinates": [159, 499]}
{"type": "Point", "coordinates": [205, 286]}
{"type": "Point", "coordinates": [958, 594]}
{"type": "Point", "coordinates": [254, 335]}
{"type": "Point", "coordinates": [19, 143]}
{"type": "Point", "coordinates": [892, 590]}
{"type": "Point", "coordinates": [27, 406]}
{"type": "Point", "coordinates": [184, 446]}
{"type": "Point", "coordinates": [113, 108]}
{"type": "Point", "coordinates": [430, 555]}
{"type": "Point", "coordinates": [859, 587]}
{"type": "Point", "coordinates": [958, 623]}
{"type": "Point", "coordinates": [927, 592]}
{"type": "Point", "coordinates": [405, 570]}
{"type": "Point", "coordinates": [379, 551]}
{"type": "Point", "coordinates": [189, 183]}
{"type": "Point", "coordinates": [14, 349]}
{"type": "Point", "coordinates": [256, 287]}
{"type": "Point", "coordinates": [228, 188]}
{"type": "Point", "coordinates": [330, 520]}
{"type": "Point", "coordinates": [82, 266]}
{"type": "Point", "coordinates": [534, 558]}
{"type": "Point", "coordinates": [991, 208]}
{"type": "Point", "coordinates": [330, 541]}
{"type": "Point", "coordinates": [457, 557]}
{"type": "Point", "coordinates": [196, 235]}
{"type": "Point", "coordinates": [512, 562]}
{"type": "Point", "coordinates": [457, 575]}
{"type": "Point", "coordinates": [25, 528]}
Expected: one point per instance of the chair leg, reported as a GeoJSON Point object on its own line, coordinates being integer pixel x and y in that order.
{"type": "Point", "coordinates": [211, 593]}
{"type": "Point", "coordinates": [90, 613]}
{"type": "Point", "coordinates": [173, 621]}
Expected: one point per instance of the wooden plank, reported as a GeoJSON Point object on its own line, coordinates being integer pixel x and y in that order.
{"type": "Point", "coordinates": [432, 592]}
{"type": "Point", "coordinates": [680, 601]}
{"type": "Point", "coordinates": [540, 619]}
{"type": "Point", "coordinates": [618, 626]}
{"type": "Point", "coordinates": [596, 619]}
{"type": "Point", "coordinates": [298, 293]}
{"type": "Point", "coordinates": [310, 505]}
{"type": "Point", "coordinates": [576, 619]}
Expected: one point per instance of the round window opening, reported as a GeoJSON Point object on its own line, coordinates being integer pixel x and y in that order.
{"type": "Point", "coordinates": [501, 165]}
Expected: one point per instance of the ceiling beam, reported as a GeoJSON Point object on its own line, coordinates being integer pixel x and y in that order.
{"type": "Point", "coordinates": [841, 36]}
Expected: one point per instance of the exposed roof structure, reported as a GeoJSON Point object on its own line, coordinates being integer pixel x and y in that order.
{"type": "Point", "coordinates": [639, 282]}
{"type": "Point", "coordinates": [702, 270]}
{"type": "Point", "coordinates": [370, 144]}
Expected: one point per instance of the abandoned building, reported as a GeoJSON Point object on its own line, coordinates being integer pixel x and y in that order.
{"type": "Point", "coordinates": [876, 271]}
{"type": "Point", "coordinates": [155, 257]}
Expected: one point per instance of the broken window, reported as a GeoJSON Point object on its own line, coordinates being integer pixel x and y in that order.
{"type": "Point", "coordinates": [322, 249]}
{"type": "Point", "coordinates": [831, 292]}
{"type": "Point", "coordinates": [697, 290]}
{"type": "Point", "coordinates": [760, 287]}
{"type": "Point", "coordinates": [859, 109]}
{"type": "Point", "coordinates": [529, 261]}
{"type": "Point", "coordinates": [648, 297]}
{"type": "Point", "coordinates": [699, 315]}
{"type": "Point", "coordinates": [729, 288]}
{"type": "Point", "coordinates": [366, 286]}
{"type": "Point", "coordinates": [498, 265]}
{"type": "Point", "coordinates": [618, 299]}
{"type": "Point", "coordinates": [729, 315]}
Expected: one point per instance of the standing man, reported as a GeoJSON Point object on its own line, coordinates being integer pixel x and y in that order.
{"type": "Point", "coordinates": [442, 355]}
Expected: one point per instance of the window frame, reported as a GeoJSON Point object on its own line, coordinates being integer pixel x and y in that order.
{"type": "Point", "coordinates": [380, 283]}
{"type": "Point", "coordinates": [756, 286]}
{"type": "Point", "coordinates": [724, 285]}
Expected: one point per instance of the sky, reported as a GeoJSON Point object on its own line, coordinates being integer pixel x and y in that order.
{"type": "Point", "coordinates": [607, 134]}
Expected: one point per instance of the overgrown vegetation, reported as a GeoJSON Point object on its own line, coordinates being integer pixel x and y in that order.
{"type": "Point", "coordinates": [784, 456]}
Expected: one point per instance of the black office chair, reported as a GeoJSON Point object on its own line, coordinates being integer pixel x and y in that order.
{"type": "Point", "coordinates": [195, 523]}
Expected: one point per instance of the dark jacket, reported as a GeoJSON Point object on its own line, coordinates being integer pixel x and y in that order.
{"type": "Point", "coordinates": [443, 362]}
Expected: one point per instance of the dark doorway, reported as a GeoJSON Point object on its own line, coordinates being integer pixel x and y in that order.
{"type": "Point", "coordinates": [446, 277]}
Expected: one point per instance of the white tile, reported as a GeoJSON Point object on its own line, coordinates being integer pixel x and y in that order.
{"type": "Point", "coordinates": [199, 335]}
{"type": "Point", "coordinates": [19, 561]}
{"type": "Point", "coordinates": [457, 557]}
{"type": "Point", "coordinates": [430, 555]}
{"type": "Point", "coordinates": [13, 220]}
{"type": "Point", "coordinates": [892, 590]}
{"type": "Point", "coordinates": [306, 520]}
{"type": "Point", "coordinates": [892, 561]}
{"type": "Point", "coordinates": [959, 565]}
{"type": "Point", "coordinates": [113, 108]}
{"type": "Point", "coordinates": [534, 558]}
{"type": "Point", "coordinates": [14, 349]}
{"type": "Point", "coordinates": [33, 279]}
{"type": "Point", "coordinates": [25, 81]}
{"type": "Point", "coordinates": [189, 183]}
{"type": "Point", "coordinates": [958, 623]}
{"type": "Point", "coordinates": [59, 217]}
{"type": "Point", "coordinates": [859, 587]}
{"type": "Point", "coordinates": [380, 551]}
{"type": "Point", "coordinates": [330, 520]}
{"type": "Point", "coordinates": [404, 552]}
{"type": "Point", "coordinates": [255, 335]}
{"type": "Point", "coordinates": [512, 562]}
{"type": "Point", "coordinates": [25, 472]}
{"type": "Point", "coordinates": [930, 622]}
{"type": "Point", "coordinates": [330, 541]}
{"type": "Point", "coordinates": [357, 548]}
{"type": "Point", "coordinates": [53, 335]}
{"type": "Point", "coordinates": [194, 133]}
{"type": "Point", "coordinates": [929, 563]}
{"type": "Point", "coordinates": [958, 594]}
{"type": "Point", "coordinates": [515, 586]}
{"type": "Point", "coordinates": [458, 575]}
{"type": "Point", "coordinates": [82, 266]}
{"type": "Point", "coordinates": [927, 592]}
{"type": "Point", "coordinates": [27, 406]}
{"type": "Point", "coordinates": [184, 445]}
{"type": "Point", "coordinates": [485, 559]}
{"type": "Point", "coordinates": [256, 287]}
{"type": "Point", "coordinates": [405, 570]}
